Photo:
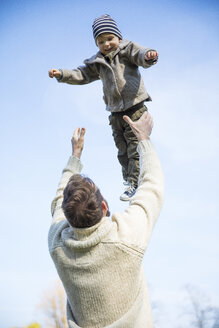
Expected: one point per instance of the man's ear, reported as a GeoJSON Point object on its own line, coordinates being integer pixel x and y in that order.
{"type": "Point", "coordinates": [104, 208]}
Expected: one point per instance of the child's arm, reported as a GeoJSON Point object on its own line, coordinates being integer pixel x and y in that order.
{"type": "Point", "coordinates": [81, 75]}
{"type": "Point", "coordinates": [141, 56]}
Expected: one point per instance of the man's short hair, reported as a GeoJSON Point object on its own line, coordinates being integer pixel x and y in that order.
{"type": "Point", "coordinates": [82, 203]}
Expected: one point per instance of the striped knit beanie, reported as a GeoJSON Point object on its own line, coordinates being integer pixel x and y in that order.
{"type": "Point", "coordinates": [105, 24]}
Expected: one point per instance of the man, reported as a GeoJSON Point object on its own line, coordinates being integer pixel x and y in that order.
{"type": "Point", "coordinates": [100, 260]}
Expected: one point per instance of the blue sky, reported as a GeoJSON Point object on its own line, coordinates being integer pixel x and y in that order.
{"type": "Point", "coordinates": [38, 117]}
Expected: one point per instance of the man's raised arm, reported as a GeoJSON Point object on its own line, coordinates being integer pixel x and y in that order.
{"type": "Point", "coordinates": [74, 166]}
{"type": "Point", "coordinates": [136, 223]}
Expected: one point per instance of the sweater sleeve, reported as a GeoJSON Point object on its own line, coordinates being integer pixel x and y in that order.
{"type": "Point", "coordinates": [137, 55]}
{"type": "Point", "coordinates": [74, 166]}
{"type": "Point", "coordinates": [82, 75]}
{"type": "Point", "coordinates": [135, 225]}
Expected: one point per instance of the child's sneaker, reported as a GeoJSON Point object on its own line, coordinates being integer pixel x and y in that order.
{"type": "Point", "coordinates": [128, 193]}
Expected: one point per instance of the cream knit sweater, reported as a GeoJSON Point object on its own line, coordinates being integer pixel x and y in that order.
{"type": "Point", "coordinates": [101, 267]}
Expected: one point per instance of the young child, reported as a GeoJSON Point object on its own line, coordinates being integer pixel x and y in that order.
{"type": "Point", "coordinates": [116, 64]}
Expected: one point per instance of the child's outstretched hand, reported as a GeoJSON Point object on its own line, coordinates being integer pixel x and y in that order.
{"type": "Point", "coordinates": [151, 55]}
{"type": "Point", "coordinates": [54, 73]}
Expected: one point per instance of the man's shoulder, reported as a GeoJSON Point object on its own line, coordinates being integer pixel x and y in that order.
{"type": "Point", "coordinates": [55, 233]}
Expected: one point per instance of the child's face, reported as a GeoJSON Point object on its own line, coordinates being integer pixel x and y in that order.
{"type": "Point", "coordinates": [107, 42]}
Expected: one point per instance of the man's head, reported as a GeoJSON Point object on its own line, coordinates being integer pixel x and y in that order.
{"type": "Point", "coordinates": [106, 34]}
{"type": "Point", "coordinates": [83, 204]}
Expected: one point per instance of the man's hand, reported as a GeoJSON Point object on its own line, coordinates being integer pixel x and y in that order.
{"type": "Point", "coordinates": [77, 142]}
{"type": "Point", "coordinates": [54, 73]}
{"type": "Point", "coordinates": [141, 128]}
{"type": "Point", "coordinates": [151, 55]}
